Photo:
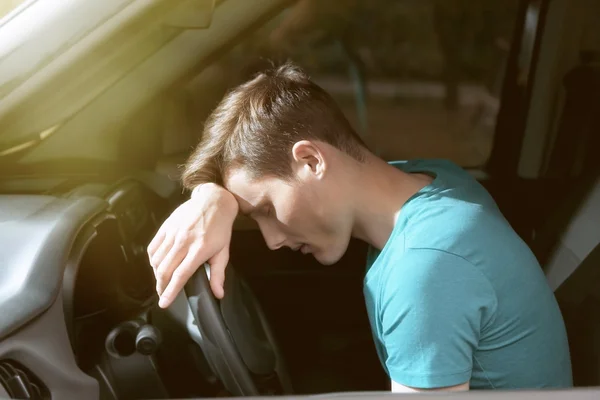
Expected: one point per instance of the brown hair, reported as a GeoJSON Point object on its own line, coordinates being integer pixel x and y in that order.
{"type": "Point", "coordinates": [257, 124]}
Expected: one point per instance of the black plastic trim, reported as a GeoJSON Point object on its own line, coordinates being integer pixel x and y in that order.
{"type": "Point", "coordinates": [84, 239]}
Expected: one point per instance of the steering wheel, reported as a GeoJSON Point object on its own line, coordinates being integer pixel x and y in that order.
{"type": "Point", "coordinates": [235, 337]}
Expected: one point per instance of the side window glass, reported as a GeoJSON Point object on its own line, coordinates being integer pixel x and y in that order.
{"type": "Point", "coordinates": [417, 79]}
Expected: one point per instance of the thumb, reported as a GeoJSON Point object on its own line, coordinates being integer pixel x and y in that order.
{"type": "Point", "coordinates": [218, 264]}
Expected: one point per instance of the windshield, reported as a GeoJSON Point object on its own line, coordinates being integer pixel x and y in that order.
{"type": "Point", "coordinates": [56, 57]}
{"type": "Point", "coordinates": [6, 6]}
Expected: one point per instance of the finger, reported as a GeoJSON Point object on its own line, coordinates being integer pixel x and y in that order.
{"type": "Point", "coordinates": [156, 241]}
{"type": "Point", "coordinates": [218, 264]}
{"type": "Point", "coordinates": [162, 251]}
{"type": "Point", "coordinates": [169, 264]}
{"type": "Point", "coordinates": [181, 275]}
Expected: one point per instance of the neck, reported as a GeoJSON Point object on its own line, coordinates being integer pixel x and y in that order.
{"type": "Point", "coordinates": [379, 191]}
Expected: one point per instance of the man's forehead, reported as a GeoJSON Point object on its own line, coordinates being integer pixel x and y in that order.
{"type": "Point", "coordinates": [248, 192]}
{"type": "Point", "coordinates": [238, 179]}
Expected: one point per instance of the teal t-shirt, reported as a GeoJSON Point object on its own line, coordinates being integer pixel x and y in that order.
{"type": "Point", "coordinates": [455, 295]}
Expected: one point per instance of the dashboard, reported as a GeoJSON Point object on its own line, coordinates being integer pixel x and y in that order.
{"type": "Point", "coordinates": [74, 266]}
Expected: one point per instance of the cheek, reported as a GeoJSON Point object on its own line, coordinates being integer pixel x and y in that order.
{"type": "Point", "coordinates": [309, 224]}
{"type": "Point", "coordinates": [295, 213]}
{"type": "Point", "coordinates": [292, 219]}
{"type": "Point", "coordinates": [307, 215]}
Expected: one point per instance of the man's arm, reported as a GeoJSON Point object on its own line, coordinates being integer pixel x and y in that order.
{"type": "Point", "coordinates": [398, 388]}
{"type": "Point", "coordinates": [198, 231]}
{"type": "Point", "coordinates": [434, 306]}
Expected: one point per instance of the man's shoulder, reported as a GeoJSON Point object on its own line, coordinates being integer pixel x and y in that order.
{"type": "Point", "coordinates": [440, 276]}
{"type": "Point", "coordinates": [448, 224]}
{"type": "Point", "coordinates": [412, 270]}
{"type": "Point", "coordinates": [451, 186]}
{"type": "Point", "coordinates": [425, 163]}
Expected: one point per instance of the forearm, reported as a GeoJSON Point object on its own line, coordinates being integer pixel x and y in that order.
{"type": "Point", "coordinates": [217, 195]}
{"type": "Point", "coordinates": [203, 188]}
{"type": "Point", "coordinates": [398, 388]}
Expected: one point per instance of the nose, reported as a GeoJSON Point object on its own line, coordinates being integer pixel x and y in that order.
{"type": "Point", "coordinates": [274, 238]}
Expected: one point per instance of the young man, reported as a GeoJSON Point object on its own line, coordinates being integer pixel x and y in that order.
{"type": "Point", "coordinates": [455, 298]}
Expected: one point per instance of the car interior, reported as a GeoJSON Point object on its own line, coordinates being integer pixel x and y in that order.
{"type": "Point", "coordinates": [101, 103]}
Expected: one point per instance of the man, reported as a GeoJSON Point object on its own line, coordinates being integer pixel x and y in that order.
{"type": "Point", "coordinates": [456, 300]}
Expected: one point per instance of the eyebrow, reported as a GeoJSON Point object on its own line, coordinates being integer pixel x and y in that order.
{"type": "Point", "coordinates": [241, 206]}
{"type": "Point", "coordinates": [254, 209]}
{"type": "Point", "coordinates": [245, 213]}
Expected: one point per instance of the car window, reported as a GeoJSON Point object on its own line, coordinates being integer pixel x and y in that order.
{"type": "Point", "coordinates": [416, 78]}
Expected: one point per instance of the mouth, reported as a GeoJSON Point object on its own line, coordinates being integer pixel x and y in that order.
{"type": "Point", "coordinates": [303, 248]}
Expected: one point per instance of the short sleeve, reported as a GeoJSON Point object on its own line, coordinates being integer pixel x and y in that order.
{"type": "Point", "coordinates": [433, 307]}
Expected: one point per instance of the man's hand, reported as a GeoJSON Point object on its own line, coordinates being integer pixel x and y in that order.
{"type": "Point", "coordinates": [198, 231]}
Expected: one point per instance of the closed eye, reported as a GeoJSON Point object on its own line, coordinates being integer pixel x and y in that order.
{"type": "Point", "coordinates": [263, 211]}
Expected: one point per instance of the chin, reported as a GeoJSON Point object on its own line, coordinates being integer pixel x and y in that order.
{"type": "Point", "coordinates": [327, 257]}
{"type": "Point", "coordinates": [332, 252]}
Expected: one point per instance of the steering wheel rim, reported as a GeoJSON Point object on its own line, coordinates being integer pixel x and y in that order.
{"type": "Point", "coordinates": [235, 336]}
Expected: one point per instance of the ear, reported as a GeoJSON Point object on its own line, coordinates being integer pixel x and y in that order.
{"type": "Point", "coordinates": [308, 159]}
